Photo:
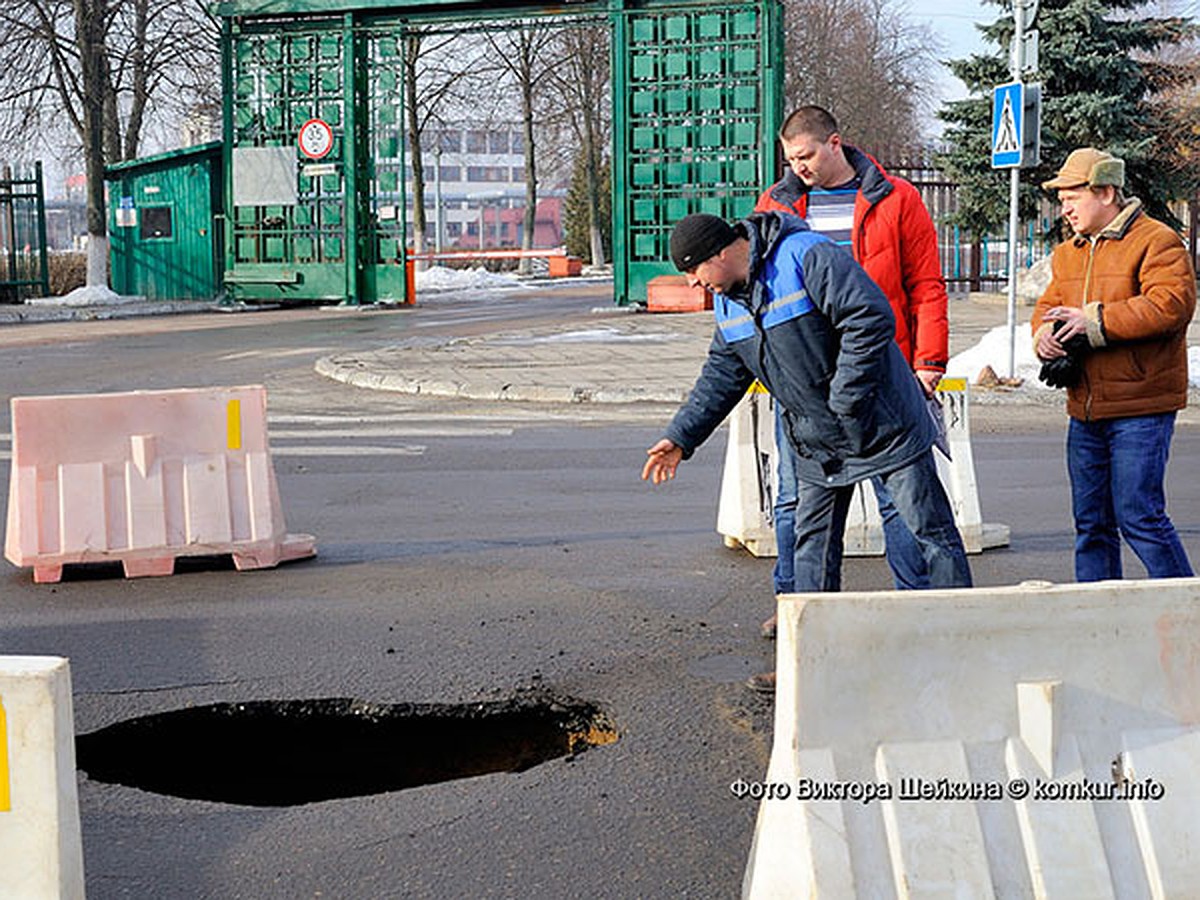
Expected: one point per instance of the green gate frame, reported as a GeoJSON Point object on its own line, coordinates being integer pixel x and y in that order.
{"type": "Point", "coordinates": [697, 103]}
{"type": "Point", "coordinates": [26, 267]}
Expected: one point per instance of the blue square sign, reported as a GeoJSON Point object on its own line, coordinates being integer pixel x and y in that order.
{"type": "Point", "coordinates": [1008, 107]}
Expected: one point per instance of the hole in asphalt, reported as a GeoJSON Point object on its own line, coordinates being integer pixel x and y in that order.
{"type": "Point", "coordinates": [289, 752]}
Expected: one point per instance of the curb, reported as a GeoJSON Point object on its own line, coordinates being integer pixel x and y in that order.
{"type": "Point", "coordinates": [30, 314]}
{"type": "Point", "coordinates": [354, 372]}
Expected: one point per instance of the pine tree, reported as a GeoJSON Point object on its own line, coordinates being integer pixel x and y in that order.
{"type": "Point", "coordinates": [1102, 73]}
{"type": "Point", "coordinates": [577, 219]}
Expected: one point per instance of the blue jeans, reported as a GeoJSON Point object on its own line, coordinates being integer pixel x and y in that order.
{"type": "Point", "coordinates": [1117, 467]}
{"type": "Point", "coordinates": [904, 556]}
{"type": "Point", "coordinates": [909, 572]}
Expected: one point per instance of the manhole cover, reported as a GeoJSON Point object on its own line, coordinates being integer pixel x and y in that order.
{"type": "Point", "coordinates": [289, 752]}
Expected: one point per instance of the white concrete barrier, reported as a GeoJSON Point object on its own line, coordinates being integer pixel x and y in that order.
{"type": "Point", "coordinates": [745, 515]}
{"type": "Point", "coordinates": [41, 853]}
{"type": "Point", "coordinates": [746, 512]}
{"type": "Point", "coordinates": [143, 477]}
{"type": "Point", "coordinates": [1029, 741]}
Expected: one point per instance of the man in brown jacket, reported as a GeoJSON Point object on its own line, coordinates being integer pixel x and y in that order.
{"type": "Point", "coordinates": [1125, 281]}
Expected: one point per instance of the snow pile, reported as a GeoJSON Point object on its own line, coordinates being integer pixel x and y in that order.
{"type": "Point", "coordinates": [992, 351]}
{"type": "Point", "coordinates": [92, 295]}
{"type": "Point", "coordinates": [439, 278]}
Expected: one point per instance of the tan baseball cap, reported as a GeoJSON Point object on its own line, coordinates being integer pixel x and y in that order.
{"type": "Point", "coordinates": [1089, 166]}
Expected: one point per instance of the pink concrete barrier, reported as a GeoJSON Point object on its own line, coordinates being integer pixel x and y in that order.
{"type": "Point", "coordinates": [145, 477]}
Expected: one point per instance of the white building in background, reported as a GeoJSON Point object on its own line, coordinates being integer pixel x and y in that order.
{"type": "Point", "coordinates": [201, 125]}
{"type": "Point", "coordinates": [479, 176]}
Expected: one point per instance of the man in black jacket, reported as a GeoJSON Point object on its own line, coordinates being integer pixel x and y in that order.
{"type": "Point", "coordinates": [797, 313]}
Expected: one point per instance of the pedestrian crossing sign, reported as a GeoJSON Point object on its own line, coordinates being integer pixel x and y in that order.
{"type": "Point", "coordinates": [1008, 119]}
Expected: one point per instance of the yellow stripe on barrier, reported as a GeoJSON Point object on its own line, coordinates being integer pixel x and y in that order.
{"type": "Point", "coordinates": [233, 424]}
{"type": "Point", "coordinates": [5, 795]}
{"type": "Point", "coordinates": [952, 384]}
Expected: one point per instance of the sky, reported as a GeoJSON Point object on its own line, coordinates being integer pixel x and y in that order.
{"type": "Point", "coordinates": [954, 22]}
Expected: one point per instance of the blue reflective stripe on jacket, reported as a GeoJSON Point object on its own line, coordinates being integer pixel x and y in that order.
{"type": "Point", "coordinates": [817, 332]}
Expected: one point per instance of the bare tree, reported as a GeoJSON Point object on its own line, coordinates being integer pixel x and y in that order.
{"type": "Point", "coordinates": [580, 86]}
{"type": "Point", "coordinates": [865, 61]}
{"type": "Point", "coordinates": [439, 70]}
{"type": "Point", "coordinates": [97, 67]}
{"type": "Point", "coordinates": [157, 56]}
{"type": "Point", "coordinates": [89, 32]}
{"type": "Point", "coordinates": [163, 57]}
{"type": "Point", "coordinates": [523, 55]}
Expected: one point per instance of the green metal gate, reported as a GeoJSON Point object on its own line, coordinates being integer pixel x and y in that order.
{"type": "Point", "coordinates": [696, 90]}
{"type": "Point", "coordinates": [287, 244]}
{"type": "Point", "coordinates": [384, 162]}
{"type": "Point", "coordinates": [697, 94]}
{"type": "Point", "coordinates": [24, 267]}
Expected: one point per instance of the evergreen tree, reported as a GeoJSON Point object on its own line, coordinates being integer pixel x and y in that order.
{"type": "Point", "coordinates": [1103, 74]}
{"type": "Point", "coordinates": [577, 219]}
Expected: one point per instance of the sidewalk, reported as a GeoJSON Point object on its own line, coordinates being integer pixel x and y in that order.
{"type": "Point", "coordinates": [623, 358]}
{"type": "Point", "coordinates": [23, 313]}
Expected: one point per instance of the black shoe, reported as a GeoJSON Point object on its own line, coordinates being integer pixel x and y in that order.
{"type": "Point", "coordinates": [769, 627]}
{"type": "Point", "coordinates": [763, 683]}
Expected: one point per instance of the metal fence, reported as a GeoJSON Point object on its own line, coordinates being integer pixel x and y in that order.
{"type": "Point", "coordinates": [24, 267]}
{"type": "Point", "coordinates": [977, 265]}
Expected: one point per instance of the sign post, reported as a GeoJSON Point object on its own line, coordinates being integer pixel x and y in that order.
{"type": "Point", "coordinates": [1016, 115]}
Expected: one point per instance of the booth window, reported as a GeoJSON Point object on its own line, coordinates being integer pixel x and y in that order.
{"type": "Point", "coordinates": [156, 222]}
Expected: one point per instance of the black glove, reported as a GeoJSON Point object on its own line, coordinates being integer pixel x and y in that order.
{"type": "Point", "coordinates": [1065, 371]}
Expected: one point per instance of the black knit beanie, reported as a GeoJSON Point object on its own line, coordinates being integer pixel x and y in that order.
{"type": "Point", "coordinates": [698, 237]}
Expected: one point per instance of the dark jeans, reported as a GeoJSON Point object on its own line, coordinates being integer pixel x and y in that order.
{"type": "Point", "coordinates": [1117, 467]}
{"type": "Point", "coordinates": [921, 502]}
{"type": "Point", "coordinates": [904, 555]}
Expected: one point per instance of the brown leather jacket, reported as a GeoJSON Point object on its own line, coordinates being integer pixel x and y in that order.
{"type": "Point", "coordinates": [1135, 282]}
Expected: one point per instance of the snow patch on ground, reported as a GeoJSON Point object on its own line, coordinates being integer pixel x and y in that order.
{"type": "Point", "coordinates": [588, 336]}
{"type": "Point", "coordinates": [91, 295]}
{"type": "Point", "coordinates": [440, 278]}
{"type": "Point", "coordinates": [992, 351]}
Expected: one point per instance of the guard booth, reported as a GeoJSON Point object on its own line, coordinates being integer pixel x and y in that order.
{"type": "Point", "coordinates": [164, 218]}
{"type": "Point", "coordinates": [314, 146]}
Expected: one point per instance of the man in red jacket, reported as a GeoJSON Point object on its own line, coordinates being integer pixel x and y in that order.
{"type": "Point", "coordinates": [882, 221]}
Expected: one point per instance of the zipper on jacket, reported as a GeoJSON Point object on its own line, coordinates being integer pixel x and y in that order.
{"type": "Point", "coordinates": [1093, 244]}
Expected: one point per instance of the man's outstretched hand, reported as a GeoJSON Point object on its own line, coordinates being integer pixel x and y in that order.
{"type": "Point", "coordinates": [664, 459]}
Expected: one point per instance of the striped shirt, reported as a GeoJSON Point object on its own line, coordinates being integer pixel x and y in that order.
{"type": "Point", "coordinates": [831, 212]}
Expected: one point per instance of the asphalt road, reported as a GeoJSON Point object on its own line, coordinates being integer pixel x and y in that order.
{"type": "Point", "coordinates": [467, 553]}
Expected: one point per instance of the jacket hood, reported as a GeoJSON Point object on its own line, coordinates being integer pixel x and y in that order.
{"type": "Point", "coordinates": [764, 231]}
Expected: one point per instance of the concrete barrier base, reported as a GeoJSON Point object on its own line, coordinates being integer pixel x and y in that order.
{"type": "Point", "coordinates": [745, 514]}
{"type": "Point", "coordinates": [144, 477]}
{"type": "Point", "coordinates": [1029, 741]}
{"type": "Point", "coordinates": [41, 853]}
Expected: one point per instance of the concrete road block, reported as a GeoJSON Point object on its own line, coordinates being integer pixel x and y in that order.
{"type": "Point", "coordinates": [748, 487]}
{"type": "Point", "coordinates": [41, 853]}
{"type": "Point", "coordinates": [745, 514]}
{"type": "Point", "coordinates": [144, 477]}
{"type": "Point", "coordinates": [1029, 741]}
